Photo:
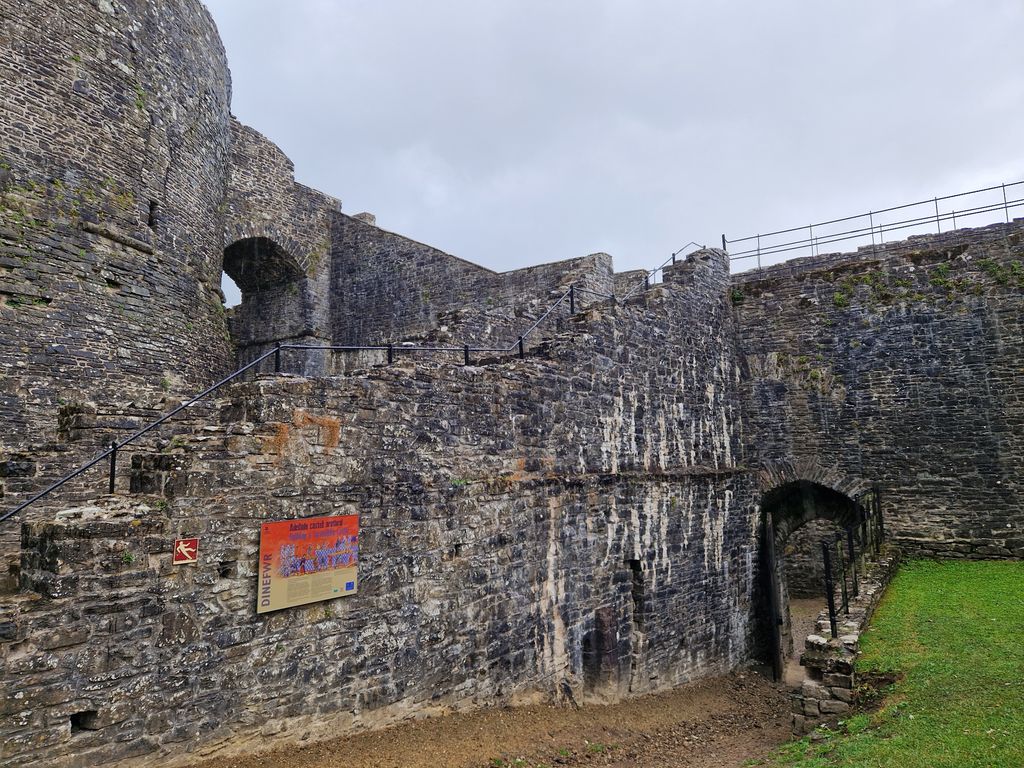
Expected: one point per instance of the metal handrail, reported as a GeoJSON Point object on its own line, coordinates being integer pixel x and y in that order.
{"type": "Point", "coordinates": [518, 345]}
{"type": "Point", "coordinates": [850, 234]}
{"type": "Point", "coordinates": [660, 268]}
{"type": "Point", "coordinates": [115, 446]}
{"type": "Point", "coordinates": [862, 232]}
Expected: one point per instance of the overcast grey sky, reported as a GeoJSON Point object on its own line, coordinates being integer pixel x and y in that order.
{"type": "Point", "coordinates": [514, 132]}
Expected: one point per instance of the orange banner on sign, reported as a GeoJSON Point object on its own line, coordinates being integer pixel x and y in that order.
{"type": "Point", "coordinates": [305, 561]}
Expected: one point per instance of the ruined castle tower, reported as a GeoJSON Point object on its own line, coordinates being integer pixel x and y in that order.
{"type": "Point", "coordinates": [114, 165]}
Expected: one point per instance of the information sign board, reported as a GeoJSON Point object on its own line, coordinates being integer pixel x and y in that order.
{"type": "Point", "coordinates": [308, 560]}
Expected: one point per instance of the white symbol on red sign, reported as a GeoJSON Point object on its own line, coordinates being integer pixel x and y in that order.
{"type": "Point", "coordinates": [185, 551]}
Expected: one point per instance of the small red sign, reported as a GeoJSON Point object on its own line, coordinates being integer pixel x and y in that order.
{"type": "Point", "coordinates": [185, 551]}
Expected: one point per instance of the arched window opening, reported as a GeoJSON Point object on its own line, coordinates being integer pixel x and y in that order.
{"type": "Point", "coordinates": [264, 288]}
{"type": "Point", "coordinates": [258, 264]}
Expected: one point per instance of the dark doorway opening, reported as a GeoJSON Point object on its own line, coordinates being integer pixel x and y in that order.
{"type": "Point", "coordinates": [796, 517]}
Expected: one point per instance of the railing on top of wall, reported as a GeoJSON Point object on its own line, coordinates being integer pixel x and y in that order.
{"type": "Point", "coordinates": [872, 227]}
{"type": "Point", "coordinates": [845, 554]}
{"type": "Point", "coordinates": [465, 351]}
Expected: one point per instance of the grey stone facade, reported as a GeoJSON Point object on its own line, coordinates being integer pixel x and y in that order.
{"type": "Point", "coordinates": [802, 560]}
{"type": "Point", "coordinates": [900, 365]}
{"type": "Point", "coordinates": [586, 518]}
{"type": "Point", "coordinates": [515, 541]}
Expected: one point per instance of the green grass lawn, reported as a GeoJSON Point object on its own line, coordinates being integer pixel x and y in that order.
{"type": "Point", "coordinates": [955, 632]}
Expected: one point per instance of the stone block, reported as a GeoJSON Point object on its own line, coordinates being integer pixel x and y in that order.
{"type": "Point", "coordinates": [842, 694]}
{"type": "Point", "coordinates": [813, 690]}
{"type": "Point", "coordinates": [836, 680]}
{"type": "Point", "coordinates": [834, 707]}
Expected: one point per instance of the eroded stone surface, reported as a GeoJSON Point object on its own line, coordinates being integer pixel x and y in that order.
{"type": "Point", "coordinates": [584, 521]}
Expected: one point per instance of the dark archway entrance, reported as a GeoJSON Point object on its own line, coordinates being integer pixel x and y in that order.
{"type": "Point", "coordinates": [273, 300]}
{"type": "Point", "coordinates": [796, 516]}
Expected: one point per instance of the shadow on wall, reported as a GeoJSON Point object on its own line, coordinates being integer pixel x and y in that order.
{"type": "Point", "coordinates": [803, 567]}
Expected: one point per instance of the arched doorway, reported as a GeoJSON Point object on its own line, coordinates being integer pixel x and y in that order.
{"type": "Point", "coordinates": [797, 516]}
{"type": "Point", "coordinates": [273, 296]}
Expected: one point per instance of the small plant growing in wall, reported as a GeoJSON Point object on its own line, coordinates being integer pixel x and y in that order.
{"type": "Point", "coordinates": [178, 441]}
{"type": "Point", "coordinates": [940, 276]}
{"type": "Point", "coordinates": [841, 299]}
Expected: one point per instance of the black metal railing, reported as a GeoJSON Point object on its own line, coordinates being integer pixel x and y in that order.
{"type": "Point", "coordinates": [846, 554]}
{"type": "Point", "coordinates": [873, 226]}
{"type": "Point", "coordinates": [392, 350]}
{"type": "Point", "coordinates": [117, 445]}
{"type": "Point", "coordinates": [651, 275]}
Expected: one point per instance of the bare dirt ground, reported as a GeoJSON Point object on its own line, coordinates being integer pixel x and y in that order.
{"type": "Point", "coordinates": [719, 723]}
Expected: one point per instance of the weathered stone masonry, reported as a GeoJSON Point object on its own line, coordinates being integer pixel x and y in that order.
{"type": "Point", "coordinates": [114, 148]}
{"type": "Point", "coordinates": [126, 187]}
{"type": "Point", "coordinates": [588, 516]}
{"type": "Point", "coordinates": [513, 537]}
{"type": "Point", "coordinates": [900, 365]}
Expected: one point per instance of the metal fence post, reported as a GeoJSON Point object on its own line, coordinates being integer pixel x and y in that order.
{"type": "Point", "coordinates": [830, 588]}
{"type": "Point", "coordinates": [866, 525]}
{"type": "Point", "coordinates": [522, 349]}
{"type": "Point", "coordinates": [277, 358]}
{"type": "Point", "coordinates": [1006, 208]}
{"type": "Point", "coordinates": [113, 463]}
{"type": "Point", "coordinates": [724, 241]}
{"type": "Point", "coordinates": [465, 350]}
{"type": "Point", "coordinates": [852, 551]}
{"type": "Point", "coordinates": [391, 353]}
{"type": "Point", "coordinates": [572, 299]}
{"type": "Point", "coordinates": [842, 572]}
{"type": "Point", "coordinates": [938, 221]}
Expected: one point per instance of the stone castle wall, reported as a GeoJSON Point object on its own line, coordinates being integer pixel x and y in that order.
{"type": "Point", "coordinates": [278, 248]}
{"type": "Point", "coordinates": [584, 519]}
{"type": "Point", "coordinates": [580, 518]}
{"type": "Point", "coordinates": [108, 213]}
{"type": "Point", "coordinates": [901, 365]}
{"type": "Point", "coordinates": [803, 563]}
{"type": "Point", "coordinates": [114, 153]}
{"type": "Point", "coordinates": [387, 287]}
{"type": "Point", "coordinates": [125, 189]}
